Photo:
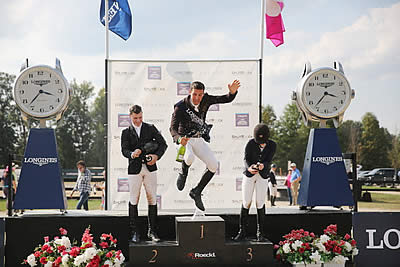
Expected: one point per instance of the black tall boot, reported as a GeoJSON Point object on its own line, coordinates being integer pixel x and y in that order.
{"type": "Point", "coordinates": [151, 233]}
{"type": "Point", "coordinates": [273, 201]}
{"type": "Point", "coordinates": [133, 218]}
{"type": "Point", "coordinates": [195, 193]}
{"type": "Point", "coordinates": [180, 182]}
{"type": "Point", "coordinates": [244, 218]}
{"type": "Point", "coordinates": [260, 224]}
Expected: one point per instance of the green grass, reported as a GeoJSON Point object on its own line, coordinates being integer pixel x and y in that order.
{"type": "Point", "coordinates": [382, 201]}
{"type": "Point", "coordinates": [94, 204]}
{"type": "Point", "coordinates": [379, 187]}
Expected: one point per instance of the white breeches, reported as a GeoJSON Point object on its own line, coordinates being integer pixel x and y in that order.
{"type": "Point", "coordinates": [249, 184]}
{"type": "Point", "coordinates": [199, 148]}
{"type": "Point", "coordinates": [273, 190]}
{"type": "Point", "coordinates": [149, 181]}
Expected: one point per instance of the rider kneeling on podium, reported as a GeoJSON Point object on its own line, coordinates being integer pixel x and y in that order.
{"type": "Point", "coordinates": [258, 156]}
{"type": "Point", "coordinates": [188, 128]}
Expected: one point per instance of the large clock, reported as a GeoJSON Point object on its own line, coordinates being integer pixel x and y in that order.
{"type": "Point", "coordinates": [42, 92]}
{"type": "Point", "coordinates": [323, 94]}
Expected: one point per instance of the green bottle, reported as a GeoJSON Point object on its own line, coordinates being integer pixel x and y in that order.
{"type": "Point", "coordinates": [181, 153]}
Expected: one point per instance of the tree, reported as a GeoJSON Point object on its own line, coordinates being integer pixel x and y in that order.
{"type": "Point", "coordinates": [98, 114]}
{"type": "Point", "coordinates": [269, 118]}
{"type": "Point", "coordinates": [349, 135]}
{"type": "Point", "coordinates": [374, 143]}
{"type": "Point", "coordinates": [75, 130]}
{"type": "Point", "coordinates": [394, 153]}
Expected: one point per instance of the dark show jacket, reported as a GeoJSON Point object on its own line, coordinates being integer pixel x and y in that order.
{"type": "Point", "coordinates": [181, 122]}
{"type": "Point", "coordinates": [131, 141]}
{"type": "Point", "coordinates": [253, 154]}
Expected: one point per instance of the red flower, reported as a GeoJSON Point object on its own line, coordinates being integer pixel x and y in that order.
{"type": "Point", "coordinates": [276, 246]}
{"type": "Point", "coordinates": [58, 261]}
{"type": "Point", "coordinates": [74, 251]}
{"type": "Point", "coordinates": [353, 242]}
{"type": "Point", "coordinates": [114, 240]}
{"type": "Point", "coordinates": [45, 247]}
{"type": "Point", "coordinates": [49, 250]}
{"type": "Point", "coordinates": [347, 237]}
{"type": "Point", "coordinates": [103, 244]}
{"type": "Point", "coordinates": [109, 254]}
{"type": "Point", "coordinates": [63, 231]}
{"type": "Point", "coordinates": [61, 248]}
{"type": "Point", "coordinates": [337, 249]}
{"type": "Point", "coordinates": [46, 239]}
{"type": "Point", "coordinates": [278, 257]}
{"type": "Point", "coordinates": [37, 254]}
{"type": "Point", "coordinates": [43, 260]}
{"type": "Point", "coordinates": [301, 249]}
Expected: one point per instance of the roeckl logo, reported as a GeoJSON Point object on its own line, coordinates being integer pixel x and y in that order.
{"type": "Point", "coordinates": [40, 161]}
{"type": "Point", "coordinates": [327, 160]}
{"type": "Point", "coordinates": [197, 255]}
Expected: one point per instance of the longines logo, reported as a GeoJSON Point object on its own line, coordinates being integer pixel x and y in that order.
{"type": "Point", "coordinates": [241, 137]}
{"type": "Point", "coordinates": [197, 255]}
{"type": "Point", "coordinates": [118, 202]}
{"type": "Point", "coordinates": [123, 104]}
{"type": "Point", "coordinates": [327, 160]}
{"type": "Point", "coordinates": [154, 89]}
{"type": "Point", "coordinates": [241, 72]}
{"type": "Point", "coordinates": [242, 104]}
{"type": "Point", "coordinates": [40, 82]}
{"type": "Point", "coordinates": [155, 120]}
{"type": "Point", "coordinates": [40, 161]}
{"type": "Point", "coordinates": [214, 88]}
{"type": "Point", "coordinates": [124, 72]}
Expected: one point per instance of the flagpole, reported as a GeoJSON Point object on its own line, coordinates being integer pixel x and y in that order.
{"type": "Point", "coordinates": [262, 36]}
{"type": "Point", "coordinates": [106, 26]}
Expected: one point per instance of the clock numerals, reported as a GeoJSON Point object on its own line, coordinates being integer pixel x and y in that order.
{"type": "Point", "coordinates": [311, 84]}
{"type": "Point", "coordinates": [60, 90]}
{"type": "Point", "coordinates": [325, 75]}
{"type": "Point", "coordinates": [341, 102]}
{"type": "Point", "coordinates": [335, 108]}
{"type": "Point", "coordinates": [58, 100]}
{"type": "Point", "coordinates": [316, 78]}
{"type": "Point", "coordinates": [334, 77]}
{"type": "Point", "coordinates": [311, 102]}
{"type": "Point", "coordinates": [325, 111]}
{"type": "Point", "coordinates": [340, 83]}
{"type": "Point", "coordinates": [25, 82]}
{"type": "Point", "coordinates": [30, 75]}
{"type": "Point", "coordinates": [308, 93]}
{"type": "Point", "coordinates": [57, 81]}
{"type": "Point", "coordinates": [317, 108]}
{"type": "Point", "coordinates": [343, 92]}
{"type": "Point", "coordinates": [21, 92]}
{"type": "Point", "coordinates": [32, 108]}
{"type": "Point", "coordinates": [51, 107]}
{"type": "Point", "coordinates": [40, 73]}
{"type": "Point", "coordinates": [24, 101]}
{"type": "Point", "coordinates": [41, 109]}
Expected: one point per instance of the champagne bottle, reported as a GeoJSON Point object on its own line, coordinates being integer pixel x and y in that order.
{"type": "Point", "coordinates": [181, 153]}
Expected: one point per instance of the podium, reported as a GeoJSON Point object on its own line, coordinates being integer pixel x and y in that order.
{"type": "Point", "coordinates": [201, 240]}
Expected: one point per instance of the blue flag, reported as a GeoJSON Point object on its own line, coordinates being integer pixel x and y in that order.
{"type": "Point", "coordinates": [119, 17]}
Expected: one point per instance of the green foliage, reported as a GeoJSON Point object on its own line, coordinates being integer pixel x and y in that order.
{"type": "Point", "coordinates": [75, 130]}
{"type": "Point", "coordinates": [394, 153]}
{"type": "Point", "coordinates": [349, 135]}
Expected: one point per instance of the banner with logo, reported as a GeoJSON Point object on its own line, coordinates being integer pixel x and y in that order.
{"type": "Point", "coordinates": [157, 86]}
{"type": "Point", "coordinates": [40, 185]}
{"type": "Point", "coordinates": [378, 238]}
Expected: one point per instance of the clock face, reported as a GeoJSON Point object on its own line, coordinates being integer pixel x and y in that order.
{"type": "Point", "coordinates": [41, 91]}
{"type": "Point", "coordinates": [326, 93]}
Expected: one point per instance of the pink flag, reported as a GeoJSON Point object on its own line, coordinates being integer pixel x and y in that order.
{"type": "Point", "coordinates": [275, 27]}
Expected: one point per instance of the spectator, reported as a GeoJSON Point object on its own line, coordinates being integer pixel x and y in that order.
{"type": "Point", "coordinates": [295, 182]}
{"type": "Point", "coordinates": [273, 189]}
{"type": "Point", "coordinates": [5, 184]}
{"type": "Point", "coordinates": [288, 184]}
{"type": "Point", "coordinates": [83, 185]}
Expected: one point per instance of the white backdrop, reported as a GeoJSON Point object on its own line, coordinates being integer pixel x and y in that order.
{"type": "Point", "coordinates": [157, 86]}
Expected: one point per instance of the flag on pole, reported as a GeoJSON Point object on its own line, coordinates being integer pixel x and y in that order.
{"type": "Point", "coordinates": [119, 17]}
{"type": "Point", "coordinates": [274, 22]}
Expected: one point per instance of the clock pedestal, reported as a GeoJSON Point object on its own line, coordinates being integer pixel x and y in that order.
{"type": "Point", "coordinates": [324, 180]}
{"type": "Point", "coordinates": [40, 184]}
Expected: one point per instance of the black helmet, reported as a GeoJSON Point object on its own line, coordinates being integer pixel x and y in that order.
{"type": "Point", "coordinates": [261, 133]}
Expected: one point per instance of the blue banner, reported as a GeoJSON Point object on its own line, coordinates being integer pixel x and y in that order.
{"type": "Point", "coordinates": [40, 185]}
{"type": "Point", "coordinates": [119, 17]}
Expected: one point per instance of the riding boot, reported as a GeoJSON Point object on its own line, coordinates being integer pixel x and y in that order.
{"type": "Point", "coordinates": [152, 217]}
{"type": "Point", "coordinates": [180, 182]}
{"type": "Point", "coordinates": [195, 193]}
{"type": "Point", "coordinates": [244, 216]}
{"type": "Point", "coordinates": [133, 219]}
{"type": "Point", "coordinates": [273, 201]}
{"type": "Point", "coordinates": [261, 224]}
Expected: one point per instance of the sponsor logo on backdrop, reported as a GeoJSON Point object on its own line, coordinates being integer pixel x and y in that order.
{"type": "Point", "coordinates": [119, 202]}
{"type": "Point", "coordinates": [210, 185]}
{"type": "Point", "coordinates": [123, 185]}
{"type": "Point", "coordinates": [214, 107]}
{"type": "Point", "coordinates": [181, 201]}
{"type": "Point", "coordinates": [120, 169]}
{"type": "Point", "coordinates": [214, 88]}
{"type": "Point", "coordinates": [241, 137]}
{"type": "Point", "coordinates": [202, 255]}
{"type": "Point", "coordinates": [236, 201]}
{"type": "Point", "coordinates": [183, 88]}
{"type": "Point", "coordinates": [218, 171]}
{"type": "Point", "coordinates": [239, 183]}
{"type": "Point", "coordinates": [124, 120]}
{"type": "Point", "coordinates": [178, 169]}
{"type": "Point", "coordinates": [40, 161]}
{"type": "Point", "coordinates": [218, 152]}
{"type": "Point", "coordinates": [183, 72]}
{"type": "Point", "coordinates": [154, 89]}
{"type": "Point", "coordinates": [238, 168]}
{"type": "Point", "coordinates": [154, 73]}
{"type": "Point", "coordinates": [242, 72]}
{"type": "Point", "coordinates": [327, 160]}
{"type": "Point", "coordinates": [155, 121]}
{"type": "Point", "coordinates": [386, 241]}
{"type": "Point", "coordinates": [242, 104]}
{"type": "Point", "coordinates": [215, 120]}
{"type": "Point", "coordinates": [116, 137]}
{"type": "Point", "coordinates": [125, 105]}
{"type": "Point", "coordinates": [242, 119]}
{"type": "Point", "coordinates": [127, 73]}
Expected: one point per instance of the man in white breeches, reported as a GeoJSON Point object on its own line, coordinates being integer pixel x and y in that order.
{"type": "Point", "coordinates": [272, 186]}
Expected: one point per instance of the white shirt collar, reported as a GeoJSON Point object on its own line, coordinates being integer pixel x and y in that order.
{"type": "Point", "coordinates": [137, 128]}
{"type": "Point", "coordinates": [196, 107]}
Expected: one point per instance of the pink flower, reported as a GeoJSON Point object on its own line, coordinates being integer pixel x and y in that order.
{"type": "Point", "coordinates": [347, 237]}
{"type": "Point", "coordinates": [103, 244]}
{"type": "Point", "coordinates": [37, 254]}
{"type": "Point", "coordinates": [43, 260]}
{"type": "Point", "coordinates": [45, 247]}
{"type": "Point", "coordinates": [46, 239]}
{"type": "Point", "coordinates": [63, 231]}
{"type": "Point", "coordinates": [109, 254]}
{"type": "Point", "coordinates": [74, 251]}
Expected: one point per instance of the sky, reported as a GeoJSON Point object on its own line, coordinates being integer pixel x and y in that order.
{"type": "Point", "coordinates": [362, 34]}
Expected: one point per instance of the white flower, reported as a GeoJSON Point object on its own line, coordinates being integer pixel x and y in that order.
{"type": "Point", "coordinates": [286, 248]}
{"type": "Point", "coordinates": [49, 264]}
{"type": "Point", "coordinates": [90, 253]}
{"type": "Point", "coordinates": [339, 259]}
{"type": "Point", "coordinates": [320, 247]}
{"type": "Point", "coordinates": [355, 251]}
{"type": "Point", "coordinates": [63, 241]}
{"type": "Point", "coordinates": [65, 259]}
{"type": "Point", "coordinates": [324, 238]}
{"type": "Point", "coordinates": [122, 257]}
{"type": "Point", "coordinates": [31, 260]}
{"type": "Point", "coordinates": [347, 246]}
{"type": "Point", "coordinates": [79, 260]}
{"type": "Point", "coordinates": [108, 262]}
{"type": "Point", "coordinates": [315, 257]}
{"type": "Point", "coordinates": [297, 244]}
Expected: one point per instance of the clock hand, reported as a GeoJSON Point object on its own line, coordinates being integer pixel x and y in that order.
{"type": "Point", "coordinates": [331, 95]}
{"type": "Point", "coordinates": [47, 93]}
{"type": "Point", "coordinates": [320, 99]}
{"type": "Point", "coordinates": [35, 97]}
